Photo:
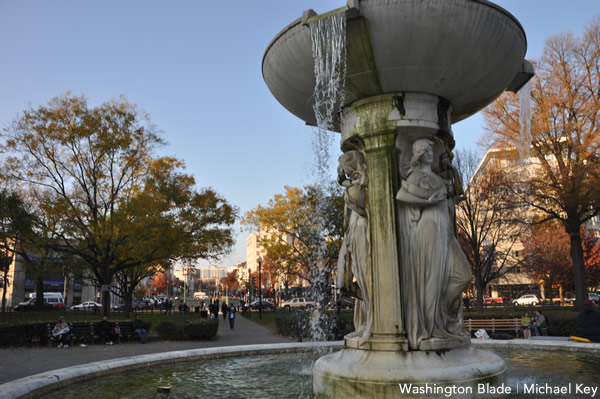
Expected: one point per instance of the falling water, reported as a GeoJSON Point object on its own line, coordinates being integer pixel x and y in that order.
{"type": "Point", "coordinates": [525, 123]}
{"type": "Point", "coordinates": [329, 54]}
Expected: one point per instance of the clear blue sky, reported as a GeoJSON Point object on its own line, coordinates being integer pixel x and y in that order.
{"type": "Point", "coordinates": [195, 66]}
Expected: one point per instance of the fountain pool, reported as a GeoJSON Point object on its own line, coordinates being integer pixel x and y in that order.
{"type": "Point", "coordinates": [531, 368]}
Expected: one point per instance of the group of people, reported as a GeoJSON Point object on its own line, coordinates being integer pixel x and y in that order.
{"type": "Point", "coordinates": [107, 332]}
{"type": "Point", "coordinates": [532, 326]}
{"type": "Point", "coordinates": [588, 323]}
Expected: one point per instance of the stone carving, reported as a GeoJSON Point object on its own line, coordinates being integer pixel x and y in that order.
{"type": "Point", "coordinates": [434, 270]}
{"type": "Point", "coordinates": [354, 262]}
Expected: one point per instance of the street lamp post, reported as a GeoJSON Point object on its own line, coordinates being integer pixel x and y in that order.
{"type": "Point", "coordinates": [250, 293]}
{"type": "Point", "coordinates": [259, 260]}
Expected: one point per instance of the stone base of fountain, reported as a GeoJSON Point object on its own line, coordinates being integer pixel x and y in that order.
{"type": "Point", "coordinates": [354, 373]}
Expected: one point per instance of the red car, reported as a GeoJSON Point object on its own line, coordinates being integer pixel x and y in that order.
{"type": "Point", "coordinates": [493, 301]}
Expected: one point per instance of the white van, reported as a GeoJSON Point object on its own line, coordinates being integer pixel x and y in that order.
{"type": "Point", "coordinates": [52, 300]}
{"type": "Point", "coordinates": [200, 295]}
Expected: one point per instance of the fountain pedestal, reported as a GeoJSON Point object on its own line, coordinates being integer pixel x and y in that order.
{"type": "Point", "coordinates": [413, 67]}
{"type": "Point", "coordinates": [376, 361]}
{"type": "Point", "coordinates": [352, 373]}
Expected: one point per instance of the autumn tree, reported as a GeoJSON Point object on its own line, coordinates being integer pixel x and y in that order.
{"type": "Point", "coordinates": [487, 221]}
{"type": "Point", "coordinates": [118, 205]}
{"type": "Point", "coordinates": [15, 221]}
{"type": "Point", "coordinates": [591, 254]}
{"type": "Point", "coordinates": [159, 283]}
{"type": "Point", "coordinates": [299, 245]}
{"type": "Point", "coordinates": [141, 290]}
{"type": "Point", "coordinates": [128, 280]}
{"type": "Point", "coordinates": [564, 180]}
{"type": "Point", "coordinates": [231, 280]}
{"type": "Point", "coordinates": [546, 254]}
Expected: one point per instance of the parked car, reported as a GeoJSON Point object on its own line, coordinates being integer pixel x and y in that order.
{"type": "Point", "coordinates": [52, 301]}
{"type": "Point", "coordinates": [529, 299]}
{"type": "Point", "coordinates": [265, 305]}
{"type": "Point", "coordinates": [298, 303]}
{"type": "Point", "coordinates": [29, 305]}
{"type": "Point", "coordinates": [87, 306]}
{"type": "Point", "coordinates": [200, 295]}
{"type": "Point", "coordinates": [141, 304]}
{"type": "Point", "coordinates": [344, 303]}
{"type": "Point", "coordinates": [493, 301]}
{"type": "Point", "coordinates": [591, 296]}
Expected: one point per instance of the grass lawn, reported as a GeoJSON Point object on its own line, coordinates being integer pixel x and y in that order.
{"type": "Point", "coordinates": [268, 318]}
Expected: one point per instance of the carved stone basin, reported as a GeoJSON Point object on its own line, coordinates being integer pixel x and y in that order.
{"type": "Point", "coordinates": [464, 51]}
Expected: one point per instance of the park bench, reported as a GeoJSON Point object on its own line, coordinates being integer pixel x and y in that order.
{"type": "Point", "coordinates": [493, 325]}
{"type": "Point", "coordinates": [127, 331]}
{"type": "Point", "coordinates": [81, 332]}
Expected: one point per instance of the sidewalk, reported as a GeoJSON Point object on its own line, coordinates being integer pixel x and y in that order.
{"type": "Point", "coordinates": [22, 362]}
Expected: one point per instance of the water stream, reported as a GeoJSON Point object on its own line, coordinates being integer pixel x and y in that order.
{"type": "Point", "coordinates": [328, 37]}
{"type": "Point", "coordinates": [525, 123]}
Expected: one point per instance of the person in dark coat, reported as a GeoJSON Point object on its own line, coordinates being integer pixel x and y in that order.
{"type": "Point", "coordinates": [224, 310]}
{"type": "Point", "coordinates": [588, 322]}
{"type": "Point", "coordinates": [231, 316]}
{"type": "Point", "coordinates": [140, 328]}
{"type": "Point", "coordinates": [106, 331]}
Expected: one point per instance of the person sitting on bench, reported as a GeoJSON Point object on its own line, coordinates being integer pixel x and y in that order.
{"type": "Point", "coordinates": [588, 322]}
{"type": "Point", "coordinates": [106, 331]}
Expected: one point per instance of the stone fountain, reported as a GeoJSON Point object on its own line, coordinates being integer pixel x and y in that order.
{"type": "Point", "coordinates": [413, 67]}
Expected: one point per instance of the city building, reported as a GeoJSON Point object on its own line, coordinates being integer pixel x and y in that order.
{"type": "Point", "coordinates": [518, 281]}
{"type": "Point", "coordinates": [21, 284]}
{"type": "Point", "coordinates": [212, 272]}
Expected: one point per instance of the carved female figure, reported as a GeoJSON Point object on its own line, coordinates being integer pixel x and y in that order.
{"type": "Point", "coordinates": [353, 262]}
{"type": "Point", "coordinates": [434, 269]}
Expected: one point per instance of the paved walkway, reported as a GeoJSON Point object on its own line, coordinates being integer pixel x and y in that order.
{"type": "Point", "coordinates": [22, 362]}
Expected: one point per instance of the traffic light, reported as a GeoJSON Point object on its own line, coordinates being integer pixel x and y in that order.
{"type": "Point", "coordinates": [253, 281]}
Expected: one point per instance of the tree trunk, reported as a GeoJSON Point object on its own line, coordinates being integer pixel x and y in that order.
{"type": "Point", "coordinates": [4, 288]}
{"type": "Point", "coordinates": [105, 283]}
{"type": "Point", "coordinates": [39, 292]}
{"type": "Point", "coordinates": [578, 266]}
{"type": "Point", "coordinates": [127, 302]}
{"type": "Point", "coordinates": [479, 290]}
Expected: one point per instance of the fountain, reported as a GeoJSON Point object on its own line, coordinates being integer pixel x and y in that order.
{"type": "Point", "coordinates": [413, 67]}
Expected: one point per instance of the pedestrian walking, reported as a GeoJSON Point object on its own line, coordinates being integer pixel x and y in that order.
{"type": "Point", "coordinates": [232, 312]}
{"type": "Point", "coordinates": [224, 309]}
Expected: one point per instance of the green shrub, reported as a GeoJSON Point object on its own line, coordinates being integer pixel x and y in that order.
{"type": "Point", "coordinates": [286, 325]}
{"type": "Point", "coordinates": [169, 331]}
{"type": "Point", "coordinates": [336, 326]}
{"type": "Point", "coordinates": [192, 330]}
{"type": "Point", "coordinates": [201, 329]}
{"type": "Point", "coordinates": [23, 334]}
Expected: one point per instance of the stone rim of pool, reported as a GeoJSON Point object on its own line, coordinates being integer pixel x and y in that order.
{"type": "Point", "coordinates": [36, 385]}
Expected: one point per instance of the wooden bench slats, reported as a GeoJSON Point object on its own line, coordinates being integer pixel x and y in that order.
{"type": "Point", "coordinates": [88, 331]}
{"type": "Point", "coordinates": [493, 325]}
